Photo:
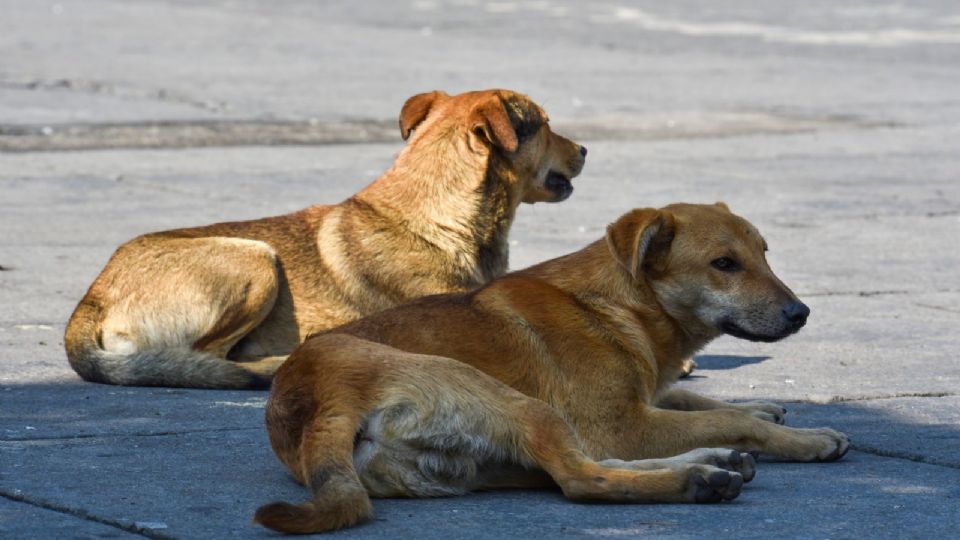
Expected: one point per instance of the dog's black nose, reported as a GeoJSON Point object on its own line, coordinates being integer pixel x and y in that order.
{"type": "Point", "coordinates": [796, 313]}
{"type": "Point", "coordinates": [583, 151]}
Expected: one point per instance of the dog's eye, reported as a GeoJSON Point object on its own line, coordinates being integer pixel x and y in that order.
{"type": "Point", "coordinates": [725, 264]}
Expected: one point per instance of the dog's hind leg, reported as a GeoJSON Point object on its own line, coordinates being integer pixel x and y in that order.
{"type": "Point", "coordinates": [724, 458]}
{"type": "Point", "coordinates": [472, 431]}
{"type": "Point", "coordinates": [165, 311]}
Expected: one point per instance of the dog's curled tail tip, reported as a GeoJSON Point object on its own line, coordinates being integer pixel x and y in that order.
{"type": "Point", "coordinates": [308, 518]}
{"type": "Point", "coordinates": [281, 516]}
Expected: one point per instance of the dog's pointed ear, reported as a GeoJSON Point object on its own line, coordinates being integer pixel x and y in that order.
{"type": "Point", "coordinates": [489, 120]}
{"type": "Point", "coordinates": [722, 205]}
{"type": "Point", "coordinates": [640, 239]}
{"type": "Point", "coordinates": [416, 109]}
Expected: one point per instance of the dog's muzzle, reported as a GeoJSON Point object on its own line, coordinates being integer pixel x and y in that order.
{"type": "Point", "coordinates": [559, 185]}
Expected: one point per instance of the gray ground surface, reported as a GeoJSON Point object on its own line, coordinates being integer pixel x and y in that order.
{"type": "Point", "coordinates": [833, 126]}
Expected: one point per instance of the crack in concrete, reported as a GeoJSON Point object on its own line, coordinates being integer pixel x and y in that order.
{"type": "Point", "coordinates": [858, 293]}
{"type": "Point", "coordinates": [94, 87]}
{"type": "Point", "coordinates": [867, 294]}
{"type": "Point", "coordinates": [126, 526]}
{"type": "Point", "coordinates": [84, 436]}
{"type": "Point", "coordinates": [936, 307]}
{"type": "Point", "coordinates": [908, 456]}
{"type": "Point", "coordinates": [898, 395]}
{"type": "Point", "coordinates": [944, 213]}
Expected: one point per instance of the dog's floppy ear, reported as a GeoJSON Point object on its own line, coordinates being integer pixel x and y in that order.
{"type": "Point", "coordinates": [489, 120]}
{"type": "Point", "coordinates": [640, 238]}
{"type": "Point", "coordinates": [416, 109]}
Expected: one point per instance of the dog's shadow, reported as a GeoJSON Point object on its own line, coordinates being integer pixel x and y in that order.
{"type": "Point", "coordinates": [726, 361]}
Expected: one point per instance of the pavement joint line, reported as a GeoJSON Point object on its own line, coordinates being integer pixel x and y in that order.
{"type": "Point", "coordinates": [898, 395]}
{"type": "Point", "coordinates": [907, 456]}
{"type": "Point", "coordinates": [18, 496]}
{"type": "Point", "coordinates": [126, 435]}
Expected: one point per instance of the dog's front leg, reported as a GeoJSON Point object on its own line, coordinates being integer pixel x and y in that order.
{"type": "Point", "coordinates": [684, 400]}
{"type": "Point", "coordinates": [668, 432]}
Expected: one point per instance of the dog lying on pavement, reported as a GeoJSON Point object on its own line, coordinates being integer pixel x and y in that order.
{"type": "Point", "coordinates": [222, 306]}
{"type": "Point", "coordinates": [557, 374]}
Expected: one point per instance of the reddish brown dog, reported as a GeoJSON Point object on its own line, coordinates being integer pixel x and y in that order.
{"type": "Point", "coordinates": [558, 373]}
{"type": "Point", "coordinates": [221, 306]}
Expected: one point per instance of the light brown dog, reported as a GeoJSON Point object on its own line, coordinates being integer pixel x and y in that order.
{"type": "Point", "coordinates": [558, 373]}
{"type": "Point", "coordinates": [221, 306]}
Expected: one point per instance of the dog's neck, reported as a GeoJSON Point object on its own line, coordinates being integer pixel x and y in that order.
{"type": "Point", "coordinates": [454, 199]}
{"type": "Point", "coordinates": [630, 306]}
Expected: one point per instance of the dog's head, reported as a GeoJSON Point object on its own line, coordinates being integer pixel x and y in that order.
{"type": "Point", "coordinates": [708, 269]}
{"type": "Point", "coordinates": [506, 126]}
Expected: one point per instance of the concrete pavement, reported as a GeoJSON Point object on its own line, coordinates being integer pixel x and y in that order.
{"type": "Point", "coordinates": [834, 127]}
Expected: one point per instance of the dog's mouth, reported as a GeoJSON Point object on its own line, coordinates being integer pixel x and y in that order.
{"type": "Point", "coordinates": [559, 184]}
{"type": "Point", "coordinates": [730, 328]}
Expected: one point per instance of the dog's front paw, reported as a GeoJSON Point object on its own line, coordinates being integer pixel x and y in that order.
{"type": "Point", "coordinates": [836, 447]}
{"type": "Point", "coordinates": [709, 484]}
{"type": "Point", "coordinates": [823, 444]}
{"type": "Point", "coordinates": [764, 410]}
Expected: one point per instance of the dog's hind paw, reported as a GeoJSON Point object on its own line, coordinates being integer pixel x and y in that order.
{"type": "Point", "coordinates": [708, 484]}
{"type": "Point", "coordinates": [739, 462]}
{"type": "Point", "coordinates": [723, 458]}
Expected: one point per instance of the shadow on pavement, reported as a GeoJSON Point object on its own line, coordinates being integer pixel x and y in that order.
{"type": "Point", "coordinates": [726, 361]}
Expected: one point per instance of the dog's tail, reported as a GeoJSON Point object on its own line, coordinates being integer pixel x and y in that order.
{"type": "Point", "coordinates": [175, 366]}
{"type": "Point", "coordinates": [320, 454]}
{"type": "Point", "coordinates": [339, 500]}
